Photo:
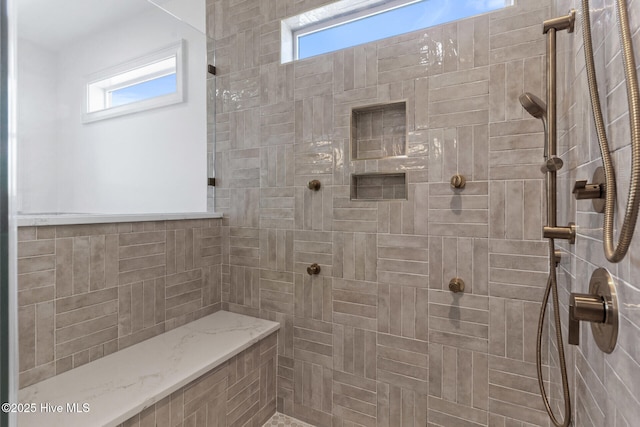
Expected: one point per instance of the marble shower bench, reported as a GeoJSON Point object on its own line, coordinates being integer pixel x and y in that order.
{"type": "Point", "coordinates": [219, 369]}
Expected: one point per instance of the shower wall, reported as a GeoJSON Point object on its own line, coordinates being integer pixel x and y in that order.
{"type": "Point", "coordinates": [605, 388]}
{"type": "Point", "coordinates": [85, 291]}
{"type": "Point", "coordinates": [377, 338]}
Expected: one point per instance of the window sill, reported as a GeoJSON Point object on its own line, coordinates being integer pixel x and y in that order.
{"type": "Point", "coordinates": [26, 220]}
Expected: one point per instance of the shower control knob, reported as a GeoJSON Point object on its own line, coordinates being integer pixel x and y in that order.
{"type": "Point", "coordinates": [582, 190]}
{"type": "Point", "coordinates": [600, 308]}
{"type": "Point", "coordinates": [313, 269]}
{"type": "Point", "coordinates": [596, 190]}
{"type": "Point", "coordinates": [456, 285]}
{"type": "Point", "coordinates": [586, 308]}
{"type": "Point", "coordinates": [458, 181]}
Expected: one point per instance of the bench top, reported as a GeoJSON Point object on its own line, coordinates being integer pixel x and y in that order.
{"type": "Point", "coordinates": [122, 384]}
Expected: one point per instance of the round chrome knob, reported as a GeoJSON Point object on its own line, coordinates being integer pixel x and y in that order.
{"type": "Point", "coordinates": [456, 285]}
{"type": "Point", "coordinates": [458, 181]}
{"type": "Point", "coordinates": [314, 185]}
{"type": "Point", "coordinates": [313, 269]}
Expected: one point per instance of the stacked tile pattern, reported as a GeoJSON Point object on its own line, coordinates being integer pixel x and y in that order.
{"type": "Point", "coordinates": [86, 291]}
{"type": "Point", "coordinates": [377, 339]}
{"type": "Point", "coordinates": [604, 387]}
{"type": "Point", "coordinates": [240, 392]}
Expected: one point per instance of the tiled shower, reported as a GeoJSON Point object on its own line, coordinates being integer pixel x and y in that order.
{"type": "Point", "coordinates": [376, 338]}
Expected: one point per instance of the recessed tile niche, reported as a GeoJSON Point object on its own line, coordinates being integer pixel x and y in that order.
{"type": "Point", "coordinates": [379, 186]}
{"type": "Point", "coordinates": [379, 131]}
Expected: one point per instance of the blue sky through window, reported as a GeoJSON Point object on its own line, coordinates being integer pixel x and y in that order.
{"type": "Point", "coordinates": [145, 90]}
{"type": "Point", "coordinates": [402, 20]}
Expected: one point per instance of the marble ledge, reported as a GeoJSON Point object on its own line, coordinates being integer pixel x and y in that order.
{"type": "Point", "coordinates": [120, 385]}
{"type": "Point", "coordinates": [26, 220]}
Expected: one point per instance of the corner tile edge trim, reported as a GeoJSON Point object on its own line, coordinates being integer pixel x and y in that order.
{"type": "Point", "coordinates": [119, 386]}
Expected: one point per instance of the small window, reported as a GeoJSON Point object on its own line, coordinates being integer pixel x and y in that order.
{"type": "Point", "coordinates": [352, 22]}
{"type": "Point", "coordinates": [152, 81]}
{"type": "Point", "coordinates": [150, 87]}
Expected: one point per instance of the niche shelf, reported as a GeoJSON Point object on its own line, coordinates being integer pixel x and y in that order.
{"type": "Point", "coordinates": [379, 131]}
{"type": "Point", "coordinates": [379, 186]}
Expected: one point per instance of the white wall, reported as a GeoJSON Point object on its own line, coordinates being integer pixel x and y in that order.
{"type": "Point", "coordinates": [153, 161]}
{"type": "Point", "coordinates": [37, 154]}
{"type": "Point", "coordinates": [193, 12]}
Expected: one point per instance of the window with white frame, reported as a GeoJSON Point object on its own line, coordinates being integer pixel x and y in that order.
{"type": "Point", "coordinates": [152, 81]}
{"type": "Point", "coordinates": [349, 23]}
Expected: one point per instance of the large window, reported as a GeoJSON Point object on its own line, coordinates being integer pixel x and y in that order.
{"type": "Point", "coordinates": [352, 22]}
{"type": "Point", "coordinates": [152, 81]}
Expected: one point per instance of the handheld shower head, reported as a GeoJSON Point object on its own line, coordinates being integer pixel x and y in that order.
{"type": "Point", "coordinates": [538, 109]}
{"type": "Point", "coordinates": [534, 105]}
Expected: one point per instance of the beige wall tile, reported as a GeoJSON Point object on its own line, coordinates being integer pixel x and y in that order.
{"type": "Point", "coordinates": [100, 305]}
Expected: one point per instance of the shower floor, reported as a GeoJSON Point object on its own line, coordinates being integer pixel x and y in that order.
{"type": "Point", "coordinates": [281, 420]}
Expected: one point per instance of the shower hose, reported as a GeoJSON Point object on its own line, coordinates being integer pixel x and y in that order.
{"type": "Point", "coordinates": [552, 288]}
{"type": "Point", "coordinates": [612, 252]}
